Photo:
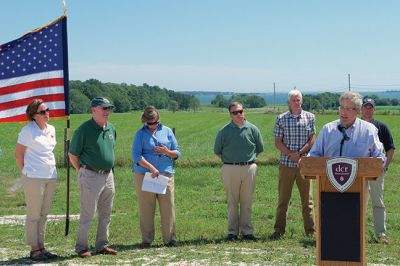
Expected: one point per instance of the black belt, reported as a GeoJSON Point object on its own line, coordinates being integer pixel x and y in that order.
{"type": "Point", "coordinates": [99, 171]}
{"type": "Point", "coordinates": [241, 163]}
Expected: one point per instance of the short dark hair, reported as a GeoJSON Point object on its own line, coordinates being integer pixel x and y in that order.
{"type": "Point", "coordinates": [32, 108]}
{"type": "Point", "coordinates": [234, 104]}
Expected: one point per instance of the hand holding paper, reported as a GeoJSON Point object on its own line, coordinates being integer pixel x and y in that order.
{"type": "Point", "coordinates": [156, 185]}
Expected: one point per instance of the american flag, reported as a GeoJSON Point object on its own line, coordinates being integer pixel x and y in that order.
{"type": "Point", "coordinates": [35, 66]}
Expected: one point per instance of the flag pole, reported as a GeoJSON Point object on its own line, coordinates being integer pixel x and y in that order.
{"type": "Point", "coordinates": [67, 164]}
{"type": "Point", "coordinates": [64, 7]}
{"type": "Point", "coordinates": [66, 133]}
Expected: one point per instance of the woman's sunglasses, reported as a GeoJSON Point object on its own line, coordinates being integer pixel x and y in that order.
{"type": "Point", "coordinates": [43, 112]}
{"type": "Point", "coordinates": [237, 112]}
{"type": "Point", "coordinates": [152, 123]}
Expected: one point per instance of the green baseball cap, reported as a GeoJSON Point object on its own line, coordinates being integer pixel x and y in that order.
{"type": "Point", "coordinates": [103, 102]}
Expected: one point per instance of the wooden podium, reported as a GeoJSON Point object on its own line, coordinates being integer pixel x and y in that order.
{"type": "Point", "coordinates": [340, 215]}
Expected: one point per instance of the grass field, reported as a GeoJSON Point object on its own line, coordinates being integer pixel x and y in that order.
{"type": "Point", "coordinates": [200, 201]}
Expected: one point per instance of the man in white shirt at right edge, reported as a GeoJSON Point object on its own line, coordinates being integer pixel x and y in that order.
{"type": "Point", "coordinates": [362, 139]}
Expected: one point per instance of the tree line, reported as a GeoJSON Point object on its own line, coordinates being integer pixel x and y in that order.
{"type": "Point", "coordinates": [318, 102]}
{"type": "Point", "coordinates": [127, 97]}
{"type": "Point", "coordinates": [330, 101]}
{"type": "Point", "coordinates": [248, 100]}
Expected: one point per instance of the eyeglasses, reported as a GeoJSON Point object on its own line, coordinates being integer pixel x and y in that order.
{"type": "Point", "coordinates": [341, 108]}
{"type": "Point", "coordinates": [107, 108]}
{"type": "Point", "coordinates": [152, 123]}
{"type": "Point", "coordinates": [43, 112]}
{"type": "Point", "coordinates": [237, 112]}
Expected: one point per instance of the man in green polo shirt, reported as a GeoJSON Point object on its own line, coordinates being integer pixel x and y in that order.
{"type": "Point", "coordinates": [238, 144]}
{"type": "Point", "coordinates": [92, 155]}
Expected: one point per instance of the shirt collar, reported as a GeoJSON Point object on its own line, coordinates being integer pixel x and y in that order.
{"type": "Point", "coordinates": [245, 124]}
{"type": "Point", "coordinates": [38, 128]}
{"type": "Point", "coordinates": [96, 126]}
{"type": "Point", "coordinates": [299, 115]}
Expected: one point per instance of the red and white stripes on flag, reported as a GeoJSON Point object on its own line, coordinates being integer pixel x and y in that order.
{"type": "Point", "coordinates": [35, 66]}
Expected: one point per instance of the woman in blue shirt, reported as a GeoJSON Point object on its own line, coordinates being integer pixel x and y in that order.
{"type": "Point", "coordinates": [154, 150]}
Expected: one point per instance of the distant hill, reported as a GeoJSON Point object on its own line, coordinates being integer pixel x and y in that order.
{"type": "Point", "coordinates": [205, 97]}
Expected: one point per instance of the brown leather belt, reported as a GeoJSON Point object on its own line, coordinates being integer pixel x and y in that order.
{"type": "Point", "coordinates": [99, 171]}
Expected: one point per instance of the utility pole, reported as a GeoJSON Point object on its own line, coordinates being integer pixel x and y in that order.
{"type": "Point", "coordinates": [348, 76]}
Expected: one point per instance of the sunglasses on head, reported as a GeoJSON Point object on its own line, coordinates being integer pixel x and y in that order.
{"type": "Point", "coordinates": [43, 112]}
{"type": "Point", "coordinates": [237, 112]}
{"type": "Point", "coordinates": [152, 123]}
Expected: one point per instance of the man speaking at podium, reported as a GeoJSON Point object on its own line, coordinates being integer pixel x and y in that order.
{"type": "Point", "coordinates": [342, 222]}
{"type": "Point", "coordinates": [348, 136]}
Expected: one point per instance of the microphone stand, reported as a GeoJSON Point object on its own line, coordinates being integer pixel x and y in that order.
{"type": "Point", "coordinates": [341, 145]}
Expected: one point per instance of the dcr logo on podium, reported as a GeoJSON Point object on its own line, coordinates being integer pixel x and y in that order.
{"type": "Point", "coordinates": [341, 172]}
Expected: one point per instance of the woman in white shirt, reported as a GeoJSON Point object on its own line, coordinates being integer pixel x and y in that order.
{"type": "Point", "coordinates": [34, 156]}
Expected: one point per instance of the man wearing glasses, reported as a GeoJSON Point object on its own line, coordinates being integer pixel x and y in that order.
{"type": "Point", "coordinates": [237, 144]}
{"type": "Point", "coordinates": [92, 155]}
{"type": "Point", "coordinates": [361, 137]}
{"type": "Point", "coordinates": [294, 136]}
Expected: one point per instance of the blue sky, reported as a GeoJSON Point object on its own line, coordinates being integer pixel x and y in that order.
{"type": "Point", "coordinates": [224, 45]}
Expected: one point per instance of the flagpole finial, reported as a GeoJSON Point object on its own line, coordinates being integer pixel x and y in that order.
{"type": "Point", "coordinates": [64, 7]}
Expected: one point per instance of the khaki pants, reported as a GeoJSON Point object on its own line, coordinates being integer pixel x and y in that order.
{"type": "Point", "coordinates": [97, 192]}
{"type": "Point", "coordinates": [378, 207]}
{"type": "Point", "coordinates": [239, 185]}
{"type": "Point", "coordinates": [287, 177]}
{"type": "Point", "coordinates": [147, 207]}
{"type": "Point", "coordinates": [38, 196]}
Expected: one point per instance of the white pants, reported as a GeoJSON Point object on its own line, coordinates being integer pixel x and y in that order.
{"type": "Point", "coordinates": [378, 207]}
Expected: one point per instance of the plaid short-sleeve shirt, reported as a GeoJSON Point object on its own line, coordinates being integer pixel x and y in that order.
{"type": "Point", "coordinates": [295, 131]}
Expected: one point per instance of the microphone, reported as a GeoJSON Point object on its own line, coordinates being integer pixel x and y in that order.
{"type": "Point", "coordinates": [342, 129]}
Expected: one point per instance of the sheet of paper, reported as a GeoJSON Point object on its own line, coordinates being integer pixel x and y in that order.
{"type": "Point", "coordinates": [156, 185]}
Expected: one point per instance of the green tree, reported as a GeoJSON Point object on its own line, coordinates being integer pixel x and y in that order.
{"type": "Point", "coordinates": [122, 104]}
{"type": "Point", "coordinates": [220, 101]}
{"type": "Point", "coordinates": [79, 103]}
{"type": "Point", "coordinates": [194, 104]}
{"type": "Point", "coordinates": [394, 102]}
{"type": "Point", "coordinates": [173, 106]}
{"type": "Point", "coordinates": [254, 101]}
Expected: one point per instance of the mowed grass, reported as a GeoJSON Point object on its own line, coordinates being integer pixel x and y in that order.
{"type": "Point", "coordinates": [199, 196]}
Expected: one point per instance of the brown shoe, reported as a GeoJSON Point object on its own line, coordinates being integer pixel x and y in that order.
{"type": "Point", "coordinates": [383, 239]}
{"type": "Point", "coordinates": [37, 255]}
{"type": "Point", "coordinates": [84, 253]}
{"type": "Point", "coordinates": [108, 251]}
